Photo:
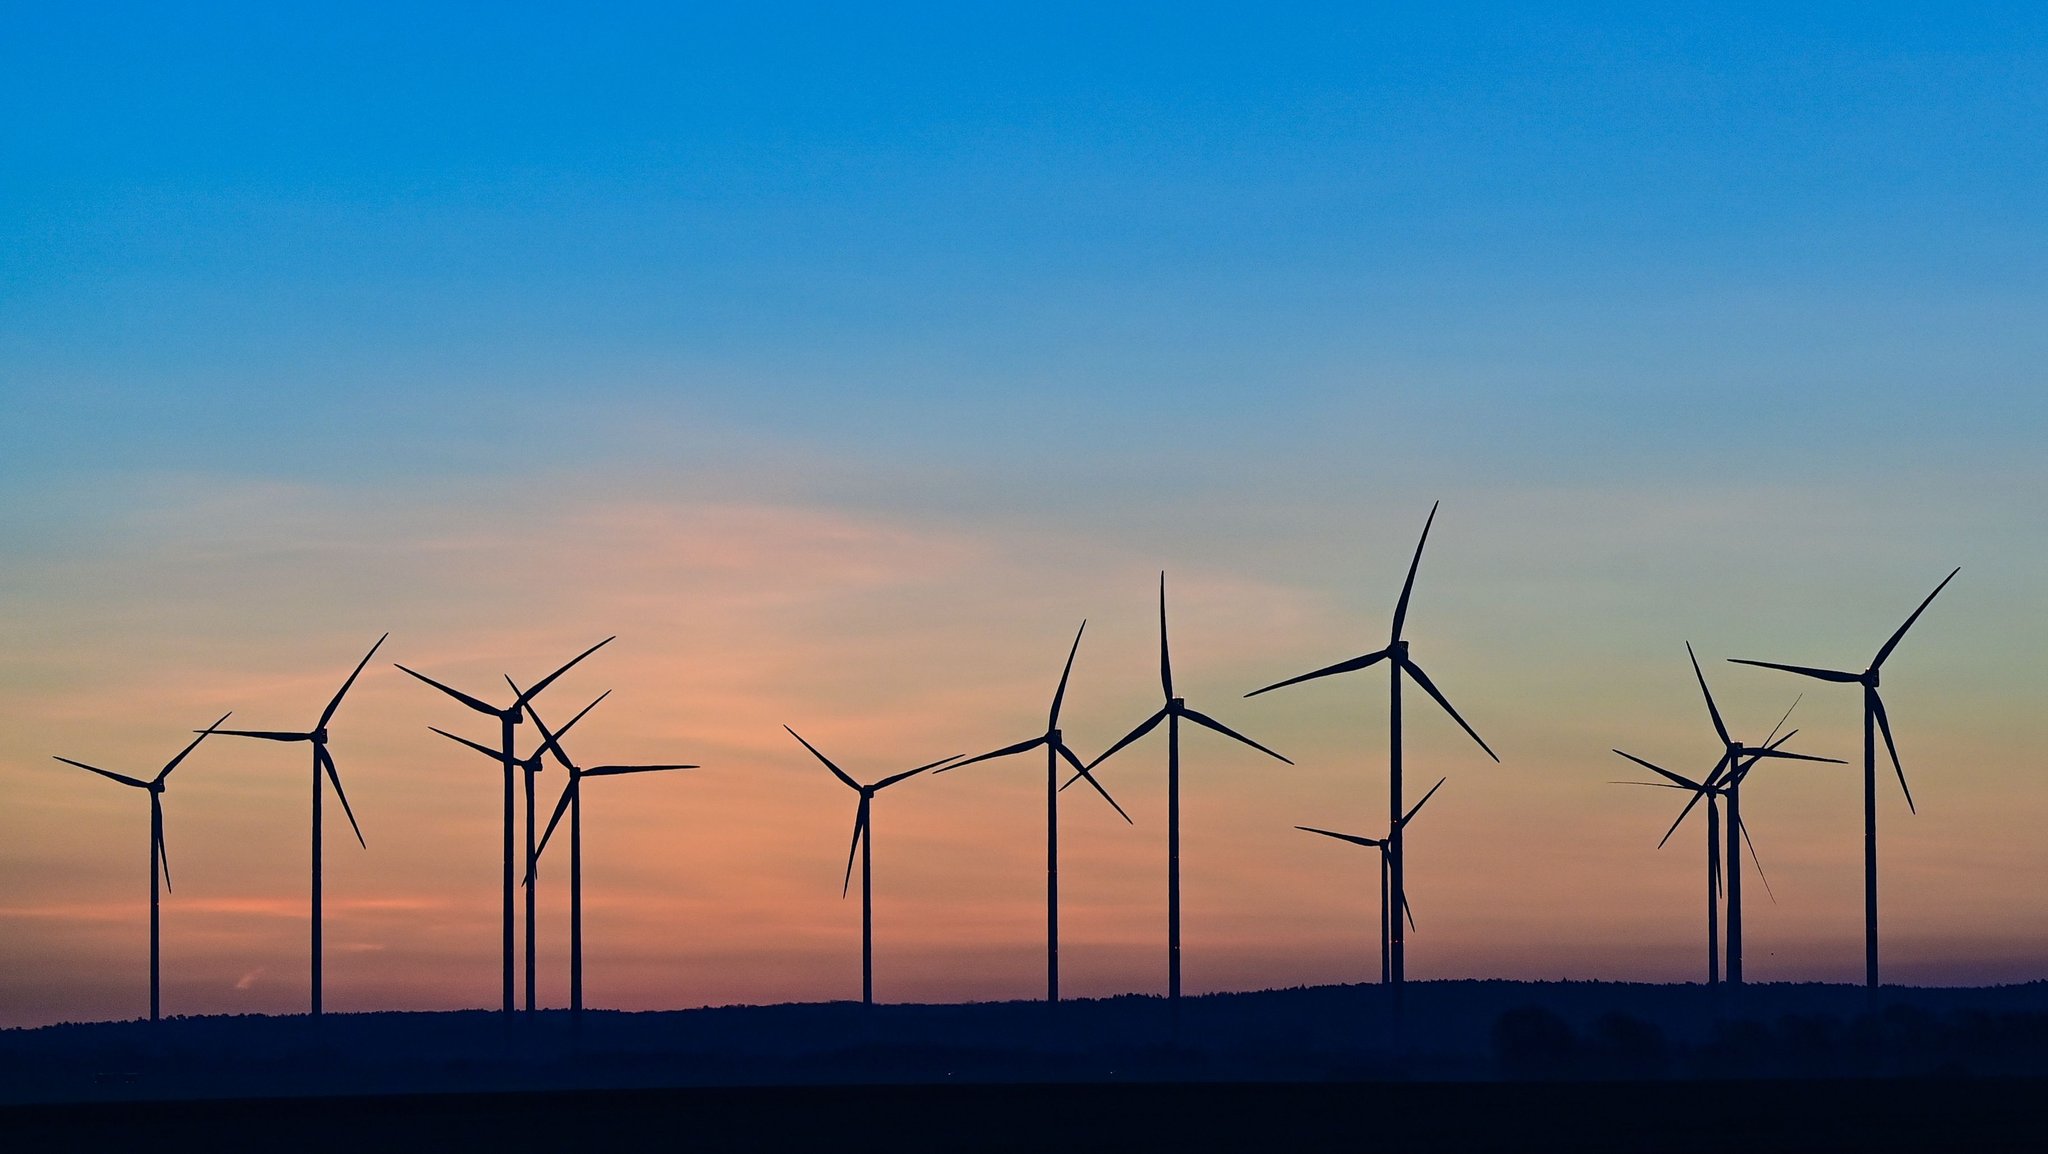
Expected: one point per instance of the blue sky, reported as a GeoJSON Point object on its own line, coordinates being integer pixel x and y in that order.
{"type": "Point", "coordinates": [242, 233]}
{"type": "Point", "coordinates": [784, 340]}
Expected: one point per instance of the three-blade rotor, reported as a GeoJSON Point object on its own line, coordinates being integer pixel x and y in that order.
{"type": "Point", "coordinates": [1174, 707]}
{"type": "Point", "coordinates": [1396, 651]}
{"type": "Point", "coordinates": [867, 795]}
{"type": "Point", "coordinates": [572, 790]}
{"type": "Point", "coordinates": [1051, 737]}
{"type": "Point", "coordinates": [323, 761]}
{"type": "Point", "coordinates": [155, 787]}
{"type": "Point", "coordinates": [1869, 679]}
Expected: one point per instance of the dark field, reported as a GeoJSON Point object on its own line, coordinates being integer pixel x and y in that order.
{"type": "Point", "coordinates": [1751, 1116]}
{"type": "Point", "coordinates": [1480, 1065]}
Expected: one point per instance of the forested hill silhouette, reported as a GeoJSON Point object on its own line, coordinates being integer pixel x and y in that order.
{"type": "Point", "coordinates": [1458, 1031]}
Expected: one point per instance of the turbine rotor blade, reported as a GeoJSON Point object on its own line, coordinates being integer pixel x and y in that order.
{"type": "Point", "coordinates": [1430, 688]}
{"type": "Point", "coordinates": [1884, 726]}
{"type": "Point", "coordinates": [907, 774]}
{"type": "Point", "coordinates": [1354, 839]}
{"type": "Point", "coordinates": [1712, 711]}
{"type": "Point", "coordinates": [334, 776]}
{"type": "Point", "coordinates": [1350, 666]}
{"type": "Point", "coordinates": [1894, 641]}
{"type": "Point", "coordinates": [1802, 670]}
{"type": "Point", "coordinates": [1407, 909]}
{"type": "Point", "coordinates": [1144, 727]}
{"type": "Point", "coordinates": [1212, 723]}
{"type": "Point", "coordinates": [496, 755]}
{"type": "Point", "coordinates": [123, 778]}
{"type": "Point", "coordinates": [860, 826]}
{"type": "Point", "coordinates": [544, 682]}
{"type": "Point", "coordinates": [1680, 780]}
{"type": "Point", "coordinates": [1410, 815]}
{"type": "Point", "coordinates": [156, 807]}
{"type": "Point", "coordinates": [263, 734]}
{"type": "Point", "coordinates": [1690, 802]}
{"type": "Point", "coordinates": [1082, 770]}
{"type": "Point", "coordinates": [1408, 586]}
{"type": "Point", "coordinates": [173, 763]}
{"type": "Point", "coordinates": [1005, 751]}
{"type": "Point", "coordinates": [836, 771]}
{"type": "Point", "coordinates": [569, 794]}
{"type": "Point", "coordinates": [617, 770]}
{"type": "Point", "coordinates": [457, 694]}
{"type": "Point", "coordinates": [1769, 743]}
{"type": "Point", "coordinates": [327, 714]}
{"type": "Point", "coordinates": [1165, 663]}
{"type": "Point", "coordinates": [1787, 755]}
{"type": "Point", "coordinates": [1756, 861]}
{"type": "Point", "coordinates": [1052, 720]}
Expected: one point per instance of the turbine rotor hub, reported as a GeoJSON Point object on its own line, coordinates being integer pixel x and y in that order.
{"type": "Point", "coordinates": [1870, 677]}
{"type": "Point", "coordinates": [318, 736]}
{"type": "Point", "coordinates": [1176, 704]}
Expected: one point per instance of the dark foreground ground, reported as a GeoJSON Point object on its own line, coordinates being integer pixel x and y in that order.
{"type": "Point", "coordinates": [1586, 1117]}
{"type": "Point", "coordinates": [1474, 1066]}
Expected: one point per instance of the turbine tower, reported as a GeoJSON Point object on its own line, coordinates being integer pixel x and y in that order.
{"type": "Point", "coordinates": [1398, 663]}
{"type": "Point", "coordinates": [507, 718]}
{"type": "Point", "coordinates": [1055, 749]}
{"type": "Point", "coordinates": [1873, 716]}
{"type": "Point", "coordinates": [157, 856]}
{"type": "Point", "coordinates": [323, 763]}
{"type": "Point", "coordinates": [1733, 752]}
{"type": "Point", "coordinates": [572, 802]}
{"type": "Point", "coordinates": [1384, 845]}
{"type": "Point", "coordinates": [863, 843]}
{"type": "Point", "coordinates": [1175, 709]}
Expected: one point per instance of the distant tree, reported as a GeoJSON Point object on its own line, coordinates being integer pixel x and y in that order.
{"type": "Point", "coordinates": [1533, 1042]}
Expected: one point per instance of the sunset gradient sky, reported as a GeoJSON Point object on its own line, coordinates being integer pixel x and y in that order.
{"type": "Point", "coordinates": [841, 359]}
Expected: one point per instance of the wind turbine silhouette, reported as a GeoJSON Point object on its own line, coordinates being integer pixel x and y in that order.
{"type": "Point", "coordinates": [1712, 788]}
{"type": "Point", "coordinates": [528, 766]}
{"type": "Point", "coordinates": [863, 842]}
{"type": "Point", "coordinates": [507, 718]}
{"type": "Point", "coordinates": [572, 802]}
{"type": "Point", "coordinates": [1384, 844]}
{"type": "Point", "coordinates": [1733, 752]}
{"type": "Point", "coordinates": [1171, 713]}
{"type": "Point", "coordinates": [1873, 715]}
{"type": "Point", "coordinates": [1398, 662]}
{"type": "Point", "coordinates": [1055, 749]}
{"type": "Point", "coordinates": [323, 763]}
{"type": "Point", "coordinates": [157, 856]}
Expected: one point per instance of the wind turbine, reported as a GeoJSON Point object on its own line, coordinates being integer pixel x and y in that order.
{"type": "Point", "coordinates": [1171, 713]}
{"type": "Point", "coordinates": [1712, 788]}
{"type": "Point", "coordinates": [863, 841]}
{"type": "Point", "coordinates": [572, 802]}
{"type": "Point", "coordinates": [1734, 751]}
{"type": "Point", "coordinates": [1873, 715]}
{"type": "Point", "coordinates": [1384, 845]}
{"type": "Point", "coordinates": [323, 763]}
{"type": "Point", "coordinates": [507, 718]}
{"type": "Point", "coordinates": [1398, 662]}
{"type": "Point", "coordinates": [1055, 749]}
{"type": "Point", "coordinates": [528, 766]}
{"type": "Point", "coordinates": [157, 856]}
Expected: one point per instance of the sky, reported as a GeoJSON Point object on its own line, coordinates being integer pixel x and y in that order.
{"type": "Point", "coordinates": [841, 361]}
